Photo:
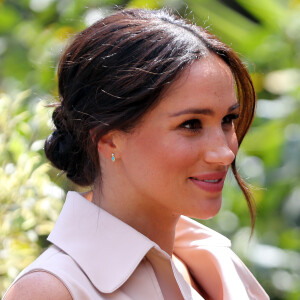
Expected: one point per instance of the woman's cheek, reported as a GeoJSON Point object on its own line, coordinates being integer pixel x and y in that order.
{"type": "Point", "coordinates": [181, 152]}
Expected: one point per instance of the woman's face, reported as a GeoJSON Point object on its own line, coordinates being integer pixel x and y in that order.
{"type": "Point", "coordinates": [177, 158]}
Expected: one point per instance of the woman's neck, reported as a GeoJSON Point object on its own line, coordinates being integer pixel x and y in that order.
{"type": "Point", "coordinates": [148, 219]}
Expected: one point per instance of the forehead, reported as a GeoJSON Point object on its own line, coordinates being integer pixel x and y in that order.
{"type": "Point", "coordinates": [202, 73]}
{"type": "Point", "coordinates": [206, 82]}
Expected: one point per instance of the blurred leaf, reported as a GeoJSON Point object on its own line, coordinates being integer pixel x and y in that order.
{"type": "Point", "coordinates": [270, 12]}
{"type": "Point", "coordinates": [149, 4]}
{"type": "Point", "coordinates": [271, 137]}
{"type": "Point", "coordinates": [9, 17]}
{"type": "Point", "coordinates": [290, 239]}
{"type": "Point", "coordinates": [223, 21]}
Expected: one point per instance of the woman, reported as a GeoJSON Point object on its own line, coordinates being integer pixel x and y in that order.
{"type": "Point", "coordinates": [152, 113]}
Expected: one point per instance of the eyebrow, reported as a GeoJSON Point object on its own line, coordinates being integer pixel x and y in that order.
{"type": "Point", "coordinates": [202, 111]}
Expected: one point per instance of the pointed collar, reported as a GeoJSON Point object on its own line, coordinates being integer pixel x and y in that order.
{"type": "Point", "coordinates": [107, 249]}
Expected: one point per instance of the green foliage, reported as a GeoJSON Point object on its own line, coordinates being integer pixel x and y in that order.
{"type": "Point", "coordinates": [32, 35]}
{"type": "Point", "coordinates": [30, 202]}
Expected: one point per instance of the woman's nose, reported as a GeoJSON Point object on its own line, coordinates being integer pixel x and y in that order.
{"type": "Point", "coordinates": [219, 151]}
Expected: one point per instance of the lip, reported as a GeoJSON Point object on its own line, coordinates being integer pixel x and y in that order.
{"type": "Point", "coordinates": [212, 187]}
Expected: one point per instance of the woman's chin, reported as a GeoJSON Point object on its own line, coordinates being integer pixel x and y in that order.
{"type": "Point", "coordinates": [205, 214]}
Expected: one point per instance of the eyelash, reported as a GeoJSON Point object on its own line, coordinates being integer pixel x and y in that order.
{"type": "Point", "coordinates": [231, 117]}
{"type": "Point", "coordinates": [192, 122]}
{"type": "Point", "coordinates": [195, 124]}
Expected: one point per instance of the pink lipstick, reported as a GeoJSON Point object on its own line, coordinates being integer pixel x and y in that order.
{"type": "Point", "coordinates": [211, 182]}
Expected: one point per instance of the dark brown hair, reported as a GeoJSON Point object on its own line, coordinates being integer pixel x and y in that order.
{"type": "Point", "coordinates": [116, 70]}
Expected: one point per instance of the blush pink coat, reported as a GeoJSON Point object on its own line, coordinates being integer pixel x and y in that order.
{"type": "Point", "coordinates": [97, 256]}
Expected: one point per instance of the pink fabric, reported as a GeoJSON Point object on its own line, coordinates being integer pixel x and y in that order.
{"type": "Point", "coordinates": [97, 256]}
{"type": "Point", "coordinates": [209, 258]}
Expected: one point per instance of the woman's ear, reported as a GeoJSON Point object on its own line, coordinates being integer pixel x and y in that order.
{"type": "Point", "coordinates": [110, 144]}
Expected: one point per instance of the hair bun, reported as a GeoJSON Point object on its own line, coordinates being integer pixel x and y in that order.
{"type": "Point", "coordinates": [59, 119]}
{"type": "Point", "coordinates": [66, 153]}
{"type": "Point", "coordinates": [60, 149]}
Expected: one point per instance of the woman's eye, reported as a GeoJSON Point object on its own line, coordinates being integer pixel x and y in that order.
{"type": "Point", "coordinates": [228, 120]}
{"type": "Point", "coordinates": [192, 125]}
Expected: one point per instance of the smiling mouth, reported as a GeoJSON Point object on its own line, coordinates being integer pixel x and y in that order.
{"type": "Point", "coordinates": [211, 182]}
{"type": "Point", "coordinates": [207, 180]}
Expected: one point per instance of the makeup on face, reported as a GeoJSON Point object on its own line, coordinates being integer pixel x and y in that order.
{"type": "Point", "coordinates": [177, 159]}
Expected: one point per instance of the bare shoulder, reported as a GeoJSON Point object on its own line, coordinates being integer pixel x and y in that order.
{"type": "Point", "coordinates": [38, 286]}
